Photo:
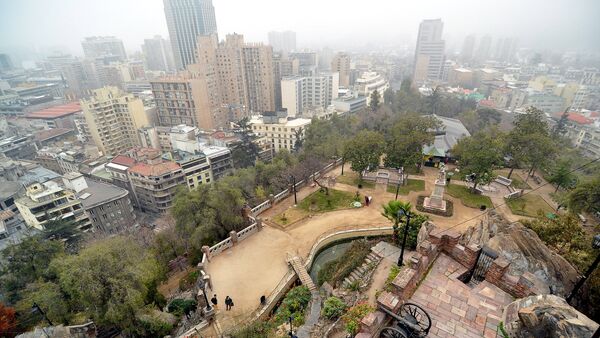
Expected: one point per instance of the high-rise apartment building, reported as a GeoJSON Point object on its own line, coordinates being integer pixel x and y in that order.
{"type": "Point", "coordinates": [282, 41]}
{"type": "Point", "coordinates": [113, 117]}
{"type": "Point", "coordinates": [300, 94]}
{"type": "Point", "coordinates": [158, 54]}
{"type": "Point", "coordinates": [189, 98]}
{"type": "Point", "coordinates": [242, 72]}
{"type": "Point", "coordinates": [283, 67]}
{"type": "Point", "coordinates": [484, 48]}
{"type": "Point", "coordinates": [429, 54]}
{"type": "Point", "coordinates": [468, 48]}
{"type": "Point", "coordinates": [341, 64]}
{"type": "Point", "coordinates": [100, 46]}
{"type": "Point", "coordinates": [186, 20]}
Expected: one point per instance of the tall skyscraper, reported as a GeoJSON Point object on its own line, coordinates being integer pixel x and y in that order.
{"type": "Point", "coordinates": [282, 41]}
{"type": "Point", "coordinates": [468, 47]}
{"type": "Point", "coordinates": [429, 54]}
{"type": "Point", "coordinates": [484, 48]}
{"type": "Point", "coordinates": [341, 64]}
{"type": "Point", "coordinates": [113, 118]}
{"type": "Point", "coordinates": [158, 54]}
{"type": "Point", "coordinates": [103, 46]}
{"type": "Point", "coordinates": [186, 20]}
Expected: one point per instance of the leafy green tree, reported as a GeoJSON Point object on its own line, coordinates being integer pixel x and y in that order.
{"type": "Point", "coordinates": [391, 209]}
{"type": "Point", "coordinates": [479, 155]}
{"type": "Point", "coordinates": [407, 137]}
{"type": "Point", "coordinates": [108, 280]}
{"type": "Point", "coordinates": [245, 153]}
{"type": "Point", "coordinates": [24, 263]}
{"type": "Point", "coordinates": [364, 151]}
{"type": "Point", "coordinates": [62, 230]}
{"type": "Point", "coordinates": [326, 138]}
{"type": "Point", "coordinates": [561, 126]}
{"type": "Point", "coordinates": [375, 100]}
{"type": "Point", "coordinates": [434, 100]}
{"type": "Point", "coordinates": [585, 197]}
{"type": "Point", "coordinates": [562, 176]}
{"type": "Point", "coordinates": [477, 120]}
{"type": "Point", "coordinates": [389, 97]}
{"type": "Point", "coordinates": [50, 297]}
{"type": "Point", "coordinates": [529, 142]}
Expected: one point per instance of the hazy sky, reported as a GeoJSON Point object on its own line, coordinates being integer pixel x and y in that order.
{"type": "Point", "coordinates": [547, 24]}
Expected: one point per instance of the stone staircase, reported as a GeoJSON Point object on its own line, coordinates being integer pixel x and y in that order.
{"type": "Point", "coordinates": [300, 270]}
{"type": "Point", "coordinates": [358, 274]}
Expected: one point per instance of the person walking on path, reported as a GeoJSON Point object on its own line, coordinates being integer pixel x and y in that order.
{"type": "Point", "coordinates": [214, 301]}
{"type": "Point", "coordinates": [228, 303]}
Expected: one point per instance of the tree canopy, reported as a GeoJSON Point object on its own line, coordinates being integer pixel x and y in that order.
{"type": "Point", "coordinates": [364, 151]}
{"type": "Point", "coordinates": [407, 137]}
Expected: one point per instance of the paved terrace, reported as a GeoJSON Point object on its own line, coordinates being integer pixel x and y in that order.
{"type": "Point", "coordinates": [256, 265]}
{"type": "Point", "coordinates": [456, 309]}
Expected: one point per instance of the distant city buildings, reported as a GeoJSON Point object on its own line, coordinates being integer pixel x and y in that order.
{"type": "Point", "coordinates": [370, 82]}
{"type": "Point", "coordinates": [103, 46]}
{"type": "Point", "coordinates": [341, 64]}
{"type": "Point", "coordinates": [429, 53]}
{"type": "Point", "coordinates": [282, 41]}
{"type": "Point", "coordinates": [302, 93]}
{"type": "Point", "coordinates": [186, 20]}
{"type": "Point", "coordinates": [158, 54]}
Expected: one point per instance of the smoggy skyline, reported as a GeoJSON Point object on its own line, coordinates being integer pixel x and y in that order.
{"type": "Point", "coordinates": [562, 25]}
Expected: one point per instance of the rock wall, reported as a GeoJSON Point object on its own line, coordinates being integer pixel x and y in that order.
{"type": "Point", "coordinates": [546, 316]}
{"type": "Point", "coordinates": [525, 252]}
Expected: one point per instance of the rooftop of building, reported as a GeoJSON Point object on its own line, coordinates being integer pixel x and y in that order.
{"type": "Point", "coordinates": [462, 70]}
{"type": "Point", "coordinates": [158, 169]}
{"type": "Point", "coordinates": [6, 214]}
{"type": "Point", "coordinates": [56, 111]}
{"type": "Point", "coordinates": [98, 193]}
{"type": "Point", "coordinates": [123, 160]}
{"type": "Point", "coordinates": [9, 189]}
{"type": "Point", "coordinates": [48, 134]}
{"type": "Point", "coordinates": [576, 117]}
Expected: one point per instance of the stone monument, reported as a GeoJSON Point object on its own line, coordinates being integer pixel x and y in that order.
{"type": "Point", "coordinates": [436, 200]}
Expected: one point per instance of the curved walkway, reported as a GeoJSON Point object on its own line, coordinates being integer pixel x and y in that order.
{"type": "Point", "coordinates": [255, 266]}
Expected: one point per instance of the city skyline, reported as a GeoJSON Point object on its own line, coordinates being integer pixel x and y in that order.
{"type": "Point", "coordinates": [393, 27]}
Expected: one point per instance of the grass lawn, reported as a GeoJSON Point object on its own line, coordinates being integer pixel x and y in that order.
{"type": "Point", "coordinates": [528, 205]}
{"type": "Point", "coordinates": [351, 178]}
{"type": "Point", "coordinates": [412, 185]}
{"type": "Point", "coordinates": [319, 202]}
{"type": "Point", "coordinates": [467, 197]}
{"type": "Point", "coordinates": [289, 216]}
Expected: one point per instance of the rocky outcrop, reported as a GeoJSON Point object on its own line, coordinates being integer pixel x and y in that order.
{"type": "Point", "coordinates": [423, 234]}
{"type": "Point", "coordinates": [546, 316]}
{"type": "Point", "coordinates": [525, 251]}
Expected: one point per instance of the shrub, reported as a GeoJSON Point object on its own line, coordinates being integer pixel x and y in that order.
{"type": "Point", "coordinates": [416, 221]}
{"type": "Point", "coordinates": [257, 329]}
{"type": "Point", "coordinates": [354, 315]}
{"type": "Point", "coordinates": [333, 308]}
{"type": "Point", "coordinates": [394, 271]}
{"type": "Point", "coordinates": [179, 306]}
{"type": "Point", "coordinates": [189, 280]}
{"type": "Point", "coordinates": [293, 305]}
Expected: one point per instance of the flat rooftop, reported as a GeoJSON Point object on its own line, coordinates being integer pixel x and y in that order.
{"type": "Point", "coordinates": [55, 112]}
{"type": "Point", "coordinates": [99, 193]}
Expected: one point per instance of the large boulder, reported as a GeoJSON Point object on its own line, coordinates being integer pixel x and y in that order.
{"type": "Point", "coordinates": [546, 316]}
{"type": "Point", "coordinates": [525, 251]}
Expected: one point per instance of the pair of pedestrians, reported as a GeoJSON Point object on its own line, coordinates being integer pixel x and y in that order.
{"type": "Point", "coordinates": [228, 302]}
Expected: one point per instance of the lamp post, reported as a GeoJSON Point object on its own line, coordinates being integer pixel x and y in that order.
{"type": "Point", "coordinates": [37, 308]}
{"type": "Point", "coordinates": [294, 189]}
{"type": "Point", "coordinates": [343, 162]}
{"type": "Point", "coordinates": [292, 335]}
{"type": "Point", "coordinates": [595, 245]}
{"type": "Point", "coordinates": [202, 286]}
{"type": "Point", "coordinates": [401, 213]}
